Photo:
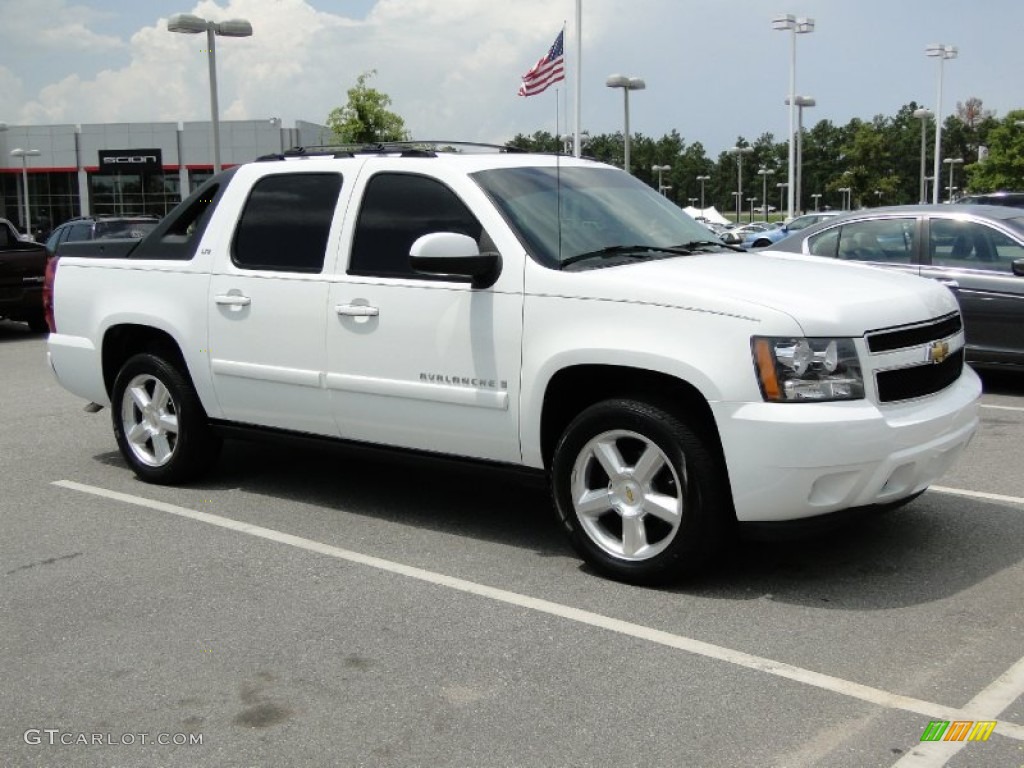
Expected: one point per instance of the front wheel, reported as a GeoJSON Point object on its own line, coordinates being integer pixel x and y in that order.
{"type": "Point", "coordinates": [642, 496]}
{"type": "Point", "coordinates": [159, 423]}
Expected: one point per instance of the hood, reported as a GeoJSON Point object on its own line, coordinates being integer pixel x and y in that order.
{"type": "Point", "coordinates": [825, 297]}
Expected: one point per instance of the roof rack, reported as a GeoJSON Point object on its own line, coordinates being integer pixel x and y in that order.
{"type": "Point", "coordinates": [401, 148]}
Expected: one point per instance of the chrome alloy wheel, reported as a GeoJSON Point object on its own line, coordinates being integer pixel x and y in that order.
{"type": "Point", "coordinates": [150, 418]}
{"type": "Point", "coordinates": [627, 495]}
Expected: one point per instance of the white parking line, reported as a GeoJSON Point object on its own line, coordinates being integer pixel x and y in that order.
{"type": "Point", "coordinates": [987, 705]}
{"type": "Point", "coordinates": [1004, 407]}
{"type": "Point", "coordinates": [739, 658]}
{"type": "Point", "coordinates": [977, 494]}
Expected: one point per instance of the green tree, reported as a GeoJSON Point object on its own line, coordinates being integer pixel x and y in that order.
{"type": "Point", "coordinates": [1004, 166]}
{"type": "Point", "coordinates": [366, 119]}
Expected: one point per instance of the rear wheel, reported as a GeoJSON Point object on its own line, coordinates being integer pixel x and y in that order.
{"type": "Point", "coordinates": [640, 493]}
{"type": "Point", "coordinates": [160, 426]}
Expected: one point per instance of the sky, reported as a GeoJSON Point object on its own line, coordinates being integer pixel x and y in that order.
{"type": "Point", "coordinates": [715, 69]}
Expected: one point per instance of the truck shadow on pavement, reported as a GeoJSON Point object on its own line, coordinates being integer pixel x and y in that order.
{"type": "Point", "coordinates": [935, 547]}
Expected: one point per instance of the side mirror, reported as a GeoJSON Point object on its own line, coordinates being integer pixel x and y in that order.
{"type": "Point", "coordinates": [452, 254]}
{"type": "Point", "coordinates": [1017, 266]}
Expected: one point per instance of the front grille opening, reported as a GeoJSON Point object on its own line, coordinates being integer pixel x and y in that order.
{"type": "Point", "coordinates": [919, 380]}
{"type": "Point", "coordinates": [943, 328]}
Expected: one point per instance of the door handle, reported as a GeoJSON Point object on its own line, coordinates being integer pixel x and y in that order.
{"type": "Point", "coordinates": [233, 300]}
{"type": "Point", "coordinates": [953, 284]}
{"type": "Point", "coordinates": [356, 310]}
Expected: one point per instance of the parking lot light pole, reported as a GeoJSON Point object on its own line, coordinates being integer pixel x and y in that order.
{"type": "Point", "coordinates": [751, 200]}
{"type": "Point", "coordinates": [793, 25]}
{"type": "Point", "coordinates": [953, 162]}
{"type": "Point", "coordinates": [847, 197]}
{"type": "Point", "coordinates": [939, 51]}
{"type": "Point", "coordinates": [764, 173]}
{"type": "Point", "coordinates": [627, 84]}
{"type": "Point", "coordinates": [924, 115]}
{"type": "Point", "coordinates": [702, 179]}
{"type": "Point", "coordinates": [659, 169]}
{"type": "Point", "coordinates": [188, 24]}
{"type": "Point", "coordinates": [817, 198]}
{"type": "Point", "coordinates": [25, 154]}
{"type": "Point", "coordinates": [739, 152]}
{"type": "Point", "coordinates": [782, 189]}
{"type": "Point", "coordinates": [801, 102]}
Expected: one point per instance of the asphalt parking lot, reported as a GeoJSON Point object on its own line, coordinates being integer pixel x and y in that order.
{"type": "Point", "coordinates": [341, 607]}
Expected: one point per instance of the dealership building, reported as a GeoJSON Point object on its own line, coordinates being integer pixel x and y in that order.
{"type": "Point", "coordinates": [125, 168]}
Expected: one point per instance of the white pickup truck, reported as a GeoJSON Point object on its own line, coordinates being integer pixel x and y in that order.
{"type": "Point", "coordinates": [551, 313]}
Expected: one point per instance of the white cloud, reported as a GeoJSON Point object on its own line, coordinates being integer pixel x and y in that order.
{"type": "Point", "coordinates": [451, 68]}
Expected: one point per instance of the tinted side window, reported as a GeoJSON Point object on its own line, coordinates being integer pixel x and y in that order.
{"type": "Point", "coordinates": [6, 237]}
{"type": "Point", "coordinates": [883, 240]}
{"type": "Point", "coordinates": [79, 232]}
{"type": "Point", "coordinates": [824, 243]}
{"type": "Point", "coordinates": [970, 245]}
{"type": "Point", "coordinates": [286, 222]}
{"type": "Point", "coordinates": [397, 209]}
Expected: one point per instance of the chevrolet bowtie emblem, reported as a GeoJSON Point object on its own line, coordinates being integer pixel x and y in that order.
{"type": "Point", "coordinates": [938, 352]}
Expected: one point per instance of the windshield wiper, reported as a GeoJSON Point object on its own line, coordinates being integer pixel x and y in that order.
{"type": "Point", "coordinates": [694, 245]}
{"type": "Point", "coordinates": [625, 250]}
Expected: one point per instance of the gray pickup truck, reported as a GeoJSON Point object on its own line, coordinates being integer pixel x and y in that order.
{"type": "Point", "coordinates": [22, 265]}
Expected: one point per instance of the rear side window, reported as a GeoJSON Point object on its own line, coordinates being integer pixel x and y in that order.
{"type": "Point", "coordinates": [286, 222]}
{"type": "Point", "coordinates": [889, 241]}
{"type": "Point", "coordinates": [79, 232]}
{"type": "Point", "coordinates": [397, 209]}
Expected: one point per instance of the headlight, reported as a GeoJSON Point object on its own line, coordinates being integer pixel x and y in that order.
{"type": "Point", "coordinates": [794, 369]}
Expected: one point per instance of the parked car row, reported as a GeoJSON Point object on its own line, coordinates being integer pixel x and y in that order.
{"type": "Point", "coordinates": [977, 251]}
{"type": "Point", "coordinates": [23, 260]}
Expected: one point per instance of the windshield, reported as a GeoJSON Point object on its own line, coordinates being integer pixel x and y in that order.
{"type": "Point", "coordinates": [563, 214]}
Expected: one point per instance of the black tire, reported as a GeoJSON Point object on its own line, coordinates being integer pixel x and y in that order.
{"type": "Point", "coordinates": [161, 427]}
{"type": "Point", "coordinates": [681, 468]}
{"type": "Point", "coordinates": [37, 323]}
{"type": "Point", "coordinates": [762, 243]}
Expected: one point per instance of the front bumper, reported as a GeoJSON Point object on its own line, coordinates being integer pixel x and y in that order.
{"type": "Point", "coordinates": [789, 461]}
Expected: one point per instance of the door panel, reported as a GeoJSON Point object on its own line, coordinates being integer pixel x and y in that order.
{"type": "Point", "coordinates": [974, 260]}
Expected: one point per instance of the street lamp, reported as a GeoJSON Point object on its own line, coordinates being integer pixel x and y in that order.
{"type": "Point", "coordinates": [782, 185]}
{"type": "Point", "coordinates": [847, 193]}
{"type": "Point", "coordinates": [801, 102]}
{"type": "Point", "coordinates": [702, 179]}
{"type": "Point", "coordinates": [25, 154]}
{"type": "Point", "coordinates": [941, 51]}
{"type": "Point", "coordinates": [751, 200]}
{"type": "Point", "coordinates": [739, 152]}
{"type": "Point", "coordinates": [816, 197]}
{"type": "Point", "coordinates": [188, 24]}
{"type": "Point", "coordinates": [924, 115]}
{"type": "Point", "coordinates": [692, 201]}
{"type": "Point", "coordinates": [927, 181]}
{"type": "Point", "coordinates": [739, 204]}
{"type": "Point", "coordinates": [764, 173]}
{"type": "Point", "coordinates": [659, 169]}
{"type": "Point", "coordinates": [953, 162]}
{"type": "Point", "coordinates": [795, 27]}
{"type": "Point", "coordinates": [627, 84]}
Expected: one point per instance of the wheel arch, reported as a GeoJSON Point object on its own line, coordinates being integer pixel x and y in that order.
{"type": "Point", "coordinates": [120, 342]}
{"type": "Point", "coordinates": [573, 389]}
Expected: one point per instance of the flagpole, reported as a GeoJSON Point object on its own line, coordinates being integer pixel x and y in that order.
{"type": "Point", "coordinates": [577, 145]}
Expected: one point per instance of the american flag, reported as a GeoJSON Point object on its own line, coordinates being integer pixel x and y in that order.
{"type": "Point", "coordinates": [550, 69]}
